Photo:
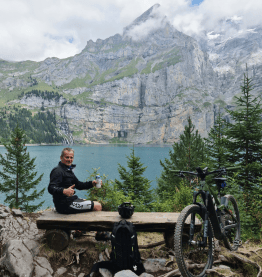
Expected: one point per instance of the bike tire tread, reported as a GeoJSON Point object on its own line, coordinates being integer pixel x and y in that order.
{"type": "Point", "coordinates": [177, 240]}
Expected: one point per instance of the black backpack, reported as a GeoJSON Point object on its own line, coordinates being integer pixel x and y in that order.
{"type": "Point", "coordinates": [125, 254]}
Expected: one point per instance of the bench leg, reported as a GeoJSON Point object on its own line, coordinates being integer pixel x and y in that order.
{"type": "Point", "coordinates": [169, 239]}
{"type": "Point", "coordinates": [57, 239]}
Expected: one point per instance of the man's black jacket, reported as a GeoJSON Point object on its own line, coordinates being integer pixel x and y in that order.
{"type": "Point", "coordinates": [63, 177]}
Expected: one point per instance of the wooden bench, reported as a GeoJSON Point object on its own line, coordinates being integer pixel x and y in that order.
{"type": "Point", "coordinates": [58, 226]}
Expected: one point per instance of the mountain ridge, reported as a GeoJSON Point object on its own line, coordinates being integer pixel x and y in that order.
{"type": "Point", "coordinates": [125, 89]}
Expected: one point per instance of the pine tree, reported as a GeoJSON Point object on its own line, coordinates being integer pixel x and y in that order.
{"type": "Point", "coordinates": [244, 136]}
{"type": "Point", "coordinates": [17, 176]}
{"type": "Point", "coordinates": [215, 144]}
{"type": "Point", "coordinates": [134, 186]}
{"type": "Point", "coordinates": [244, 148]}
{"type": "Point", "coordinates": [187, 154]}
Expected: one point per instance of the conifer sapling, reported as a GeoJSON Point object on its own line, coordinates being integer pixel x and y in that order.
{"type": "Point", "coordinates": [17, 174]}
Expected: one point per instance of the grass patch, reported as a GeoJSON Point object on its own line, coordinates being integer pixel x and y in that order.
{"type": "Point", "coordinates": [13, 67]}
{"type": "Point", "coordinates": [116, 48]}
{"type": "Point", "coordinates": [180, 95]}
{"type": "Point", "coordinates": [166, 63]}
{"type": "Point", "coordinates": [6, 96]}
{"type": "Point", "coordinates": [207, 105]}
{"type": "Point", "coordinates": [77, 133]}
{"type": "Point", "coordinates": [190, 102]}
{"type": "Point", "coordinates": [147, 69]}
{"type": "Point", "coordinates": [78, 82]}
{"type": "Point", "coordinates": [116, 140]}
{"type": "Point", "coordinates": [220, 103]}
{"type": "Point", "coordinates": [165, 60]}
{"type": "Point", "coordinates": [127, 71]}
{"type": "Point", "coordinates": [196, 109]}
{"type": "Point", "coordinates": [101, 79]}
{"type": "Point", "coordinates": [42, 86]}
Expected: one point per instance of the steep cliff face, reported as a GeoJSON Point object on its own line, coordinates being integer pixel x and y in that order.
{"type": "Point", "coordinates": [138, 88]}
{"type": "Point", "coordinates": [231, 50]}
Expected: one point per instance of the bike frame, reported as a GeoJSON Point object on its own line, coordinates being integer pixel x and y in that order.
{"type": "Point", "coordinates": [209, 210]}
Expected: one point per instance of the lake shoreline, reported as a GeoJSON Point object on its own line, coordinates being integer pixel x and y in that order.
{"type": "Point", "coordinates": [94, 144]}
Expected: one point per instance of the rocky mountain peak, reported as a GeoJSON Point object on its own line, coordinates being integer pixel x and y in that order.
{"type": "Point", "coordinates": [150, 14]}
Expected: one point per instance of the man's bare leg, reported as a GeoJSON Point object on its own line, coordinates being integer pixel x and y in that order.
{"type": "Point", "coordinates": [100, 235]}
{"type": "Point", "coordinates": [97, 206]}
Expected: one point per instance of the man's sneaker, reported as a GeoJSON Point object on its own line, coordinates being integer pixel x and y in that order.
{"type": "Point", "coordinates": [102, 236]}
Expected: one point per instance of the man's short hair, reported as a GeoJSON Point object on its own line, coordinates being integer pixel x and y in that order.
{"type": "Point", "coordinates": [66, 149]}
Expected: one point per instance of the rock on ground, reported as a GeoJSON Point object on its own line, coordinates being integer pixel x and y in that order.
{"type": "Point", "coordinates": [154, 265]}
{"type": "Point", "coordinates": [146, 275]}
{"type": "Point", "coordinates": [125, 273]}
{"type": "Point", "coordinates": [60, 271]}
{"type": "Point", "coordinates": [20, 238]}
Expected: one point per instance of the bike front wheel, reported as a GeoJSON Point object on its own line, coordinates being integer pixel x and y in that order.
{"type": "Point", "coordinates": [192, 255]}
{"type": "Point", "coordinates": [231, 221]}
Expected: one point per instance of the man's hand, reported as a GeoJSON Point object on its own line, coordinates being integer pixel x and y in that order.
{"type": "Point", "coordinates": [95, 181]}
{"type": "Point", "coordinates": [70, 191]}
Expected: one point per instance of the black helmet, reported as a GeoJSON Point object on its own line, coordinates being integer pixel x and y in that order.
{"type": "Point", "coordinates": [126, 210]}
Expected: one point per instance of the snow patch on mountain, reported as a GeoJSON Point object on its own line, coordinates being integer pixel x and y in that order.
{"type": "Point", "coordinates": [213, 56]}
{"type": "Point", "coordinates": [247, 31]}
{"type": "Point", "coordinates": [224, 69]}
{"type": "Point", "coordinates": [255, 58]}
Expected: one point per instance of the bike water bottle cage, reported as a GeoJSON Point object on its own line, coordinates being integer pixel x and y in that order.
{"type": "Point", "coordinates": [126, 210]}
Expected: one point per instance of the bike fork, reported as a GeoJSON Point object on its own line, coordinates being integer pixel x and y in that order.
{"type": "Point", "coordinates": [205, 230]}
{"type": "Point", "coordinates": [192, 227]}
{"type": "Point", "coordinates": [204, 242]}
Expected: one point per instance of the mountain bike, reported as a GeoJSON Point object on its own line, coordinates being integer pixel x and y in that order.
{"type": "Point", "coordinates": [198, 224]}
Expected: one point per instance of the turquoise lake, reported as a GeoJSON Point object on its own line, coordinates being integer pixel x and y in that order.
{"type": "Point", "coordinates": [87, 157]}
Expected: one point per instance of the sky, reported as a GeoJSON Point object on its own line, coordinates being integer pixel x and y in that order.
{"type": "Point", "coordinates": [38, 29]}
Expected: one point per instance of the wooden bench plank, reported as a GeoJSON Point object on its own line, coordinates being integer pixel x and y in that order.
{"type": "Point", "coordinates": [103, 221]}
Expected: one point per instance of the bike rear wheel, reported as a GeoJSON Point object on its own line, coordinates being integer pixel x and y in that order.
{"type": "Point", "coordinates": [230, 217]}
{"type": "Point", "coordinates": [193, 259]}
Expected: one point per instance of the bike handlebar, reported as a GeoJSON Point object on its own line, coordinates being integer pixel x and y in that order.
{"type": "Point", "coordinates": [200, 171]}
{"type": "Point", "coordinates": [233, 168]}
{"type": "Point", "coordinates": [175, 171]}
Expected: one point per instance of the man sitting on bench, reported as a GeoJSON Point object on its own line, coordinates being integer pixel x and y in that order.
{"type": "Point", "coordinates": [62, 184]}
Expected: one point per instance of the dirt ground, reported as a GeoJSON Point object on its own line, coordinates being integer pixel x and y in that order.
{"type": "Point", "coordinates": [90, 249]}
{"type": "Point", "coordinates": [246, 262]}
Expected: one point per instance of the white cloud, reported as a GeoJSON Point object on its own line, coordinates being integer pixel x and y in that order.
{"type": "Point", "coordinates": [209, 13]}
{"type": "Point", "coordinates": [139, 31]}
{"type": "Point", "coordinates": [211, 35]}
{"type": "Point", "coordinates": [37, 29]}
{"type": "Point", "coordinates": [236, 18]}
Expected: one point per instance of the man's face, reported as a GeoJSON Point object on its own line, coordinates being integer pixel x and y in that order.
{"type": "Point", "coordinates": [68, 158]}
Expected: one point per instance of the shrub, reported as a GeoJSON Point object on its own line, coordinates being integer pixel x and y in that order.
{"type": "Point", "coordinates": [108, 195]}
